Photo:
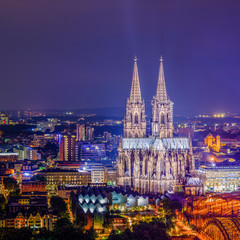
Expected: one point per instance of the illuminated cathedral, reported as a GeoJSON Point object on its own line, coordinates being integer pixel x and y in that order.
{"type": "Point", "coordinates": [157, 162]}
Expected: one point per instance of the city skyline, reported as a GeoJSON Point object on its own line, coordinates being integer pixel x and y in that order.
{"type": "Point", "coordinates": [119, 120]}
{"type": "Point", "coordinates": [80, 55]}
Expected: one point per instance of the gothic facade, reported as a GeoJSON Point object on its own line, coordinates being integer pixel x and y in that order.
{"type": "Point", "coordinates": [158, 162]}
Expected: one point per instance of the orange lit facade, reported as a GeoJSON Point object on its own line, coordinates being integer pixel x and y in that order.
{"type": "Point", "coordinates": [199, 209]}
{"type": "Point", "coordinates": [213, 143]}
{"type": "Point", "coordinates": [33, 186]}
{"type": "Point", "coordinates": [8, 157]}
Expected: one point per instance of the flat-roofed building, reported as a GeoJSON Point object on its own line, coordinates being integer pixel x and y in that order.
{"type": "Point", "coordinates": [98, 174]}
{"type": "Point", "coordinates": [91, 151]}
{"type": "Point", "coordinates": [33, 186]}
{"type": "Point", "coordinates": [9, 157]}
{"type": "Point", "coordinates": [58, 177]}
{"type": "Point", "coordinates": [220, 178]}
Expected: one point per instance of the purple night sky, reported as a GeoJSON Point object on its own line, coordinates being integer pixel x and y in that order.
{"type": "Point", "coordinates": [71, 54]}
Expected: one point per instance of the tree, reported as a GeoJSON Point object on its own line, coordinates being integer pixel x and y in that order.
{"type": "Point", "coordinates": [154, 230]}
{"type": "Point", "coordinates": [114, 236]}
{"type": "Point", "coordinates": [2, 205]}
{"type": "Point", "coordinates": [60, 223]}
{"type": "Point", "coordinates": [108, 221]}
{"type": "Point", "coordinates": [58, 204]}
{"type": "Point", "coordinates": [169, 207]}
{"type": "Point", "coordinates": [38, 178]}
{"type": "Point", "coordinates": [44, 234]}
{"type": "Point", "coordinates": [64, 230]}
{"type": "Point", "coordinates": [81, 220]}
{"type": "Point", "coordinates": [51, 147]}
{"type": "Point", "coordinates": [10, 184]}
{"type": "Point", "coordinates": [2, 201]}
{"type": "Point", "coordinates": [15, 234]}
{"type": "Point", "coordinates": [90, 234]}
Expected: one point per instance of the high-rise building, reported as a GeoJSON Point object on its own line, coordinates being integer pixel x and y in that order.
{"type": "Point", "coordinates": [159, 162]}
{"type": "Point", "coordinates": [89, 133]}
{"type": "Point", "coordinates": [67, 148]}
{"type": "Point", "coordinates": [80, 132]}
{"type": "Point", "coordinates": [107, 136]}
{"type": "Point", "coordinates": [25, 152]}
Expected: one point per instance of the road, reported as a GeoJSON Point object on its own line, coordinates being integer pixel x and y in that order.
{"type": "Point", "coordinates": [182, 229]}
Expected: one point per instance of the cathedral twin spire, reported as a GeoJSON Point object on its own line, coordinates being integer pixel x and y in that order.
{"type": "Point", "coordinates": [161, 94]}
{"type": "Point", "coordinates": [135, 95]}
{"type": "Point", "coordinates": [135, 119]}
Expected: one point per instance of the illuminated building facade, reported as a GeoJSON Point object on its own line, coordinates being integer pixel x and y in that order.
{"type": "Point", "coordinates": [27, 170]}
{"type": "Point", "coordinates": [81, 132]}
{"type": "Point", "coordinates": [162, 109]}
{"type": "Point", "coordinates": [98, 174]}
{"type": "Point", "coordinates": [89, 133]}
{"type": "Point", "coordinates": [67, 148]}
{"type": "Point", "coordinates": [214, 143]}
{"type": "Point", "coordinates": [100, 199]}
{"type": "Point", "coordinates": [155, 163]}
{"type": "Point", "coordinates": [33, 186]}
{"type": "Point", "coordinates": [28, 153]}
{"type": "Point", "coordinates": [220, 178]}
{"type": "Point", "coordinates": [8, 157]}
{"type": "Point", "coordinates": [91, 152]}
{"type": "Point", "coordinates": [42, 140]}
{"type": "Point", "coordinates": [135, 119]}
{"type": "Point", "coordinates": [31, 220]}
{"type": "Point", "coordinates": [59, 177]}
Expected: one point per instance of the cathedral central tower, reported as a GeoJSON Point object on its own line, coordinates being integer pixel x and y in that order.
{"type": "Point", "coordinates": [135, 119]}
{"type": "Point", "coordinates": [162, 109]}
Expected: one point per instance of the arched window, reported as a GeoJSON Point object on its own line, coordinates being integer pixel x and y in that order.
{"type": "Point", "coordinates": [162, 119]}
{"type": "Point", "coordinates": [125, 166]}
{"type": "Point", "coordinates": [146, 167]}
{"type": "Point", "coordinates": [136, 119]}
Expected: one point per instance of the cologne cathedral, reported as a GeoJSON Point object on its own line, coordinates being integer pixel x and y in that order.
{"type": "Point", "coordinates": [156, 162]}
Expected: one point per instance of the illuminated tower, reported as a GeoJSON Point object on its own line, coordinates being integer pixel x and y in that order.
{"type": "Point", "coordinates": [89, 133]}
{"type": "Point", "coordinates": [67, 148]}
{"type": "Point", "coordinates": [80, 132]}
{"type": "Point", "coordinates": [162, 109]}
{"type": "Point", "coordinates": [135, 119]}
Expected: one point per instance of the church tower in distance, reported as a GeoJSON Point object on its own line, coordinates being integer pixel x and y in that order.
{"type": "Point", "coordinates": [162, 109]}
{"type": "Point", "coordinates": [135, 119]}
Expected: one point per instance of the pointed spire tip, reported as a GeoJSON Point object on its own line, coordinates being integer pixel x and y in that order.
{"type": "Point", "coordinates": [135, 58]}
{"type": "Point", "coordinates": [161, 59]}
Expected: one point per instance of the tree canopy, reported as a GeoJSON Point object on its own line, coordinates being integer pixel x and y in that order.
{"type": "Point", "coordinates": [154, 230]}
{"type": "Point", "coordinates": [58, 204]}
{"type": "Point", "coordinates": [10, 184]}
